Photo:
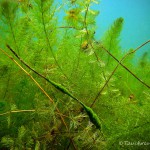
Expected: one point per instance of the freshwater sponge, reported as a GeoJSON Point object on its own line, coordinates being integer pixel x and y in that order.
{"type": "Point", "coordinates": [92, 116]}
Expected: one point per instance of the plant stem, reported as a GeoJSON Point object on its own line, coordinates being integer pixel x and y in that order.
{"type": "Point", "coordinates": [125, 66]}
{"type": "Point", "coordinates": [120, 63]}
{"type": "Point", "coordinates": [38, 85]}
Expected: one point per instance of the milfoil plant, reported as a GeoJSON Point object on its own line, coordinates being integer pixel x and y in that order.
{"type": "Point", "coordinates": [62, 88]}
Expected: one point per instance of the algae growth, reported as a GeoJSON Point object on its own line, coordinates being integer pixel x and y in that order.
{"type": "Point", "coordinates": [62, 89]}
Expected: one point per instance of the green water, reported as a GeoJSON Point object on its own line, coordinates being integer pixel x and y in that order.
{"type": "Point", "coordinates": [61, 88]}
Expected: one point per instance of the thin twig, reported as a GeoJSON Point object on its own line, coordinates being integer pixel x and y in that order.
{"type": "Point", "coordinates": [120, 63]}
{"type": "Point", "coordinates": [50, 81]}
{"type": "Point", "coordinates": [125, 66]}
{"type": "Point", "coordinates": [43, 91]}
{"type": "Point", "coordinates": [31, 110]}
{"type": "Point", "coordinates": [62, 118]}
{"type": "Point", "coordinates": [16, 111]}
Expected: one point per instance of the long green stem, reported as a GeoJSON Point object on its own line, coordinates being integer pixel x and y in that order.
{"type": "Point", "coordinates": [48, 42]}
{"type": "Point", "coordinates": [92, 115]}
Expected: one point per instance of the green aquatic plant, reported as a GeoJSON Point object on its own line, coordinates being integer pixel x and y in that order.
{"type": "Point", "coordinates": [57, 70]}
{"type": "Point", "coordinates": [92, 115]}
{"type": "Point", "coordinates": [111, 39]}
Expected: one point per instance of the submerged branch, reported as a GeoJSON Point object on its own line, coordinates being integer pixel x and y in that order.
{"type": "Point", "coordinates": [30, 110]}
{"type": "Point", "coordinates": [56, 85]}
{"type": "Point", "coordinates": [16, 111]}
{"type": "Point", "coordinates": [120, 63]}
{"type": "Point", "coordinates": [38, 85]}
{"type": "Point", "coordinates": [92, 115]}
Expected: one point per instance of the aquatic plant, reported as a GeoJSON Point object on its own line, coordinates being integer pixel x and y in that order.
{"type": "Point", "coordinates": [61, 88]}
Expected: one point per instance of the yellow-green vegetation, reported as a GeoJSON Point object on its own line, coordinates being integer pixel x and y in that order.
{"type": "Point", "coordinates": [62, 89]}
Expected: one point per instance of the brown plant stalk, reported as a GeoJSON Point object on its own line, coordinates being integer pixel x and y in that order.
{"type": "Point", "coordinates": [120, 63]}
{"type": "Point", "coordinates": [125, 66]}
{"type": "Point", "coordinates": [16, 111]}
{"type": "Point", "coordinates": [38, 85]}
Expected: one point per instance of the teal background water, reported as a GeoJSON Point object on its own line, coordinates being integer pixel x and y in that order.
{"type": "Point", "coordinates": [136, 14]}
{"type": "Point", "coordinates": [136, 29]}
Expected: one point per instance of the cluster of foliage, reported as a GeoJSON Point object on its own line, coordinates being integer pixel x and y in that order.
{"type": "Point", "coordinates": [59, 71]}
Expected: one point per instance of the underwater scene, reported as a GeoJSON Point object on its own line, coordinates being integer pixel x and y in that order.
{"type": "Point", "coordinates": [69, 78]}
